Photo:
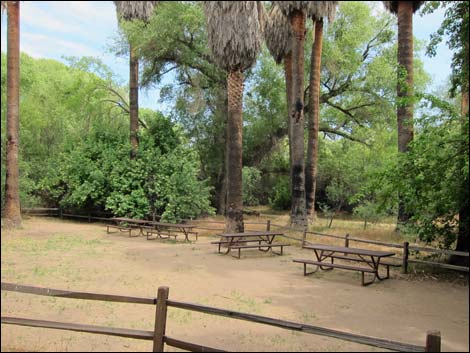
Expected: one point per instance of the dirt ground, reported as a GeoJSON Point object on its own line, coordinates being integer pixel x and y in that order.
{"type": "Point", "coordinates": [83, 257]}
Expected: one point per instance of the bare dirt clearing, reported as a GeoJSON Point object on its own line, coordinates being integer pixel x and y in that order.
{"type": "Point", "coordinates": [82, 257]}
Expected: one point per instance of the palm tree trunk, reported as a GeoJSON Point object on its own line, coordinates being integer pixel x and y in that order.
{"type": "Point", "coordinates": [12, 194]}
{"type": "Point", "coordinates": [133, 100]}
{"type": "Point", "coordinates": [405, 88]}
{"type": "Point", "coordinates": [234, 208]}
{"type": "Point", "coordinates": [298, 210]}
{"type": "Point", "coordinates": [311, 165]}
{"type": "Point", "coordinates": [288, 78]}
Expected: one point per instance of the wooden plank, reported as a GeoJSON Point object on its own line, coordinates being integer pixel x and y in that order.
{"type": "Point", "coordinates": [248, 234]}
{"type": "Point", "coordinates": [160, 319]}
{"type": "Point", "coordinates": [438, 264]}
{"type": "Point", "coordinates": [342, 249]}
{"type": "Point", "coordinates": [191, 347]}
{"type": "Point", "coordinates": [439, 251]}
{"type": "Point", "coordinates": [350, 258]}
{"type": "Point", "coordinates": [344, 267]}
{"type": "Point", "coordinates": [102, 330]}
{"type": "Point", "coordinates": [371, 341]}
{"type": "Point", "coordinates": [75, 295]}
{"type": "Point", "coordinates": [257, 246]}
{"type": "Point", "coordinates": [433, 341]}
{"type": "Point", "coordinates": [375, 242]}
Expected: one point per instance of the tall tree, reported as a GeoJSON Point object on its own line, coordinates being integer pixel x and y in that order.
{"type": "Point", "coordinates": [278, 36]}
{"type": "Point", "coordinates": [456, 27]}
{"type": "Point", "coordinates": [297, 11]}
{"type": "Point", "coordinates": [313, 116]}
{"type": "Point", "coordinates": [128, 11]}
{"type": "Point", "coordinates": [12, 192]}
{"type": "Point", "coordinates": [234, 33]}
{"type": "Point", "coordinates": [404, 11]}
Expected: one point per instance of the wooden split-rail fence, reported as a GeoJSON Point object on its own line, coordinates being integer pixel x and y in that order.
{"type": "Point", "coordinates": [162, 302]}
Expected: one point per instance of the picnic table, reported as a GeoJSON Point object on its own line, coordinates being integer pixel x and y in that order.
{"type": "Point", "coordinates": [238, 241]}
{"type": "Point", "coordinates": [370, 260]}
{"type": "Point", "coordinates": [160, 229]}
{"type": "Point", "coordinates": [169, 229]}
{"type": "Point", "coordinates": [127, 224]}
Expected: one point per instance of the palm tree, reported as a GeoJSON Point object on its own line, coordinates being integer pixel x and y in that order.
{"type": "Point", "coordinates": [128, 11]}
{"type": "Point", "coordinates": [12, 193]}
{"type": "Point", "coordinates": [278, 36]}
{"type": "Point", "coordinates": [313, 116]}
{"type": "Point", "coordinates": [297, 11]}
{"type": "Point", "coordinates": [234, 31]}
{"type": "Point", "coordinates": [404, 11]}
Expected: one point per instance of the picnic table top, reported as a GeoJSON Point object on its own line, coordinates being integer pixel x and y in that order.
{"type": "Point", "coordinates": [348, 250]}
{"type": "Point", "coordinates": [249, 234]}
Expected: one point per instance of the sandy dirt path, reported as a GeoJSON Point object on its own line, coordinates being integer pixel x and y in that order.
{"type": "Point", "coordinates": [82, 257]}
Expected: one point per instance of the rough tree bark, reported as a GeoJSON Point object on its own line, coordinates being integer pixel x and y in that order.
{"type": "Point", "coordinates": [298, 210]}
{"type": "Point", "coordinates": [12, 192]}
{"type": "Point", "coordinates": [234, 207]}
{"type": "Point", "coordinates": [133, 100]}
{"type": "Point", "coordinates": [311, 166]}
{"type": "Point", "coordinates": [405, 88]}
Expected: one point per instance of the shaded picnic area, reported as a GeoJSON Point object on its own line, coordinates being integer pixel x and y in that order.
{"type": "Point", "coordinates": [79, 256]}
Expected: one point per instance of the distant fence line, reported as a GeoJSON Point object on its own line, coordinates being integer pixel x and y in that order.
{"type": "Point", "coordinates": [159, 337]}
{"type": "Point", "coordinates": [407, 248]}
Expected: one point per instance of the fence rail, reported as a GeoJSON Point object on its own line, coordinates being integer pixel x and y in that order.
{"type": "Point", "coordinates": [433, 338]}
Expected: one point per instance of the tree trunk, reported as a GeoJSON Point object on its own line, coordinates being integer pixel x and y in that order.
{"type": "Point", "coordinates": [133, 100]}
{"type": "Point", "coordinates": [12, 191]}
{"type": "Point", "coordinates": [311, 164]}
{"type": "Point", "coordinates": [463, 241]}
{"type": "Point", "coordinates": [405, 88]}
{"type": "Point", "coordinates": [288, 77]}
{"type": "Point", "coordinates": [298, 210]}
{"type": "Point", "coordinates": [234, 207]}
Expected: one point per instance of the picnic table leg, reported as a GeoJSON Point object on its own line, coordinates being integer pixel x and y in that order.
{"type": "Point", "coordinates": [376, 267]}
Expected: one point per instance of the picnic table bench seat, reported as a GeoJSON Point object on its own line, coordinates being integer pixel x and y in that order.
{"type": "Point", "coordinates": [333, 265]}
{"type": "Point", "coordinates": [259, 246]}
{"type": "Point", "coordinates": [159, 233]}
{"type": "Point", "coordinates": [388, 264]}
{"type": "Point", "coordinates": [120, 227]}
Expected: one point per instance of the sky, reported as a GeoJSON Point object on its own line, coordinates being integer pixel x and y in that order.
{"type": "Point", "coordinates": [54, 29]}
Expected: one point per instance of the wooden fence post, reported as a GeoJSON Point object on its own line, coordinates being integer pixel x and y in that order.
{"type": "Point", "coordinates": [346, 242]}
{"type": "Point", "coordinates": [406, 253]}
{"type": "Point", "coordinates": [60, 212]}
{"type": "Point", "coordinates": [268, 225]}
{"type": "Point", "coordinates": [433, 341]}
{"type": "Point", "coordinates": [160, 320]}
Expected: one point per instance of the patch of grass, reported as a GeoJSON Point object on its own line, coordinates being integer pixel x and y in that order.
{"type": "Point", "coordinates": [308, 317]}
{"type": "Point", "coordinates": [244, 303]}
{"type": "Point", "coordinates": [180, 316]}
{"type": "Point", "coordinates": [56, 243]}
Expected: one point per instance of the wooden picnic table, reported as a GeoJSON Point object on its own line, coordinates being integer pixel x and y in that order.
{"type": "Point", "coordinates": [238, 241]}
{"type": "Point", "coordinates": [370, 259]}
{"type": "Point", "coordinates": [161, 229]}
{"type": "Point", "coordinates": [127, 224]}
{"type": "Point", "coordinates": [168, 228]}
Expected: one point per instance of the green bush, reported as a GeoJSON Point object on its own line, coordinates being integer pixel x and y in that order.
{"type": "Point", "coordinates": [281, 196]}
{"type": "Point", "coordinates": [251, 186]}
